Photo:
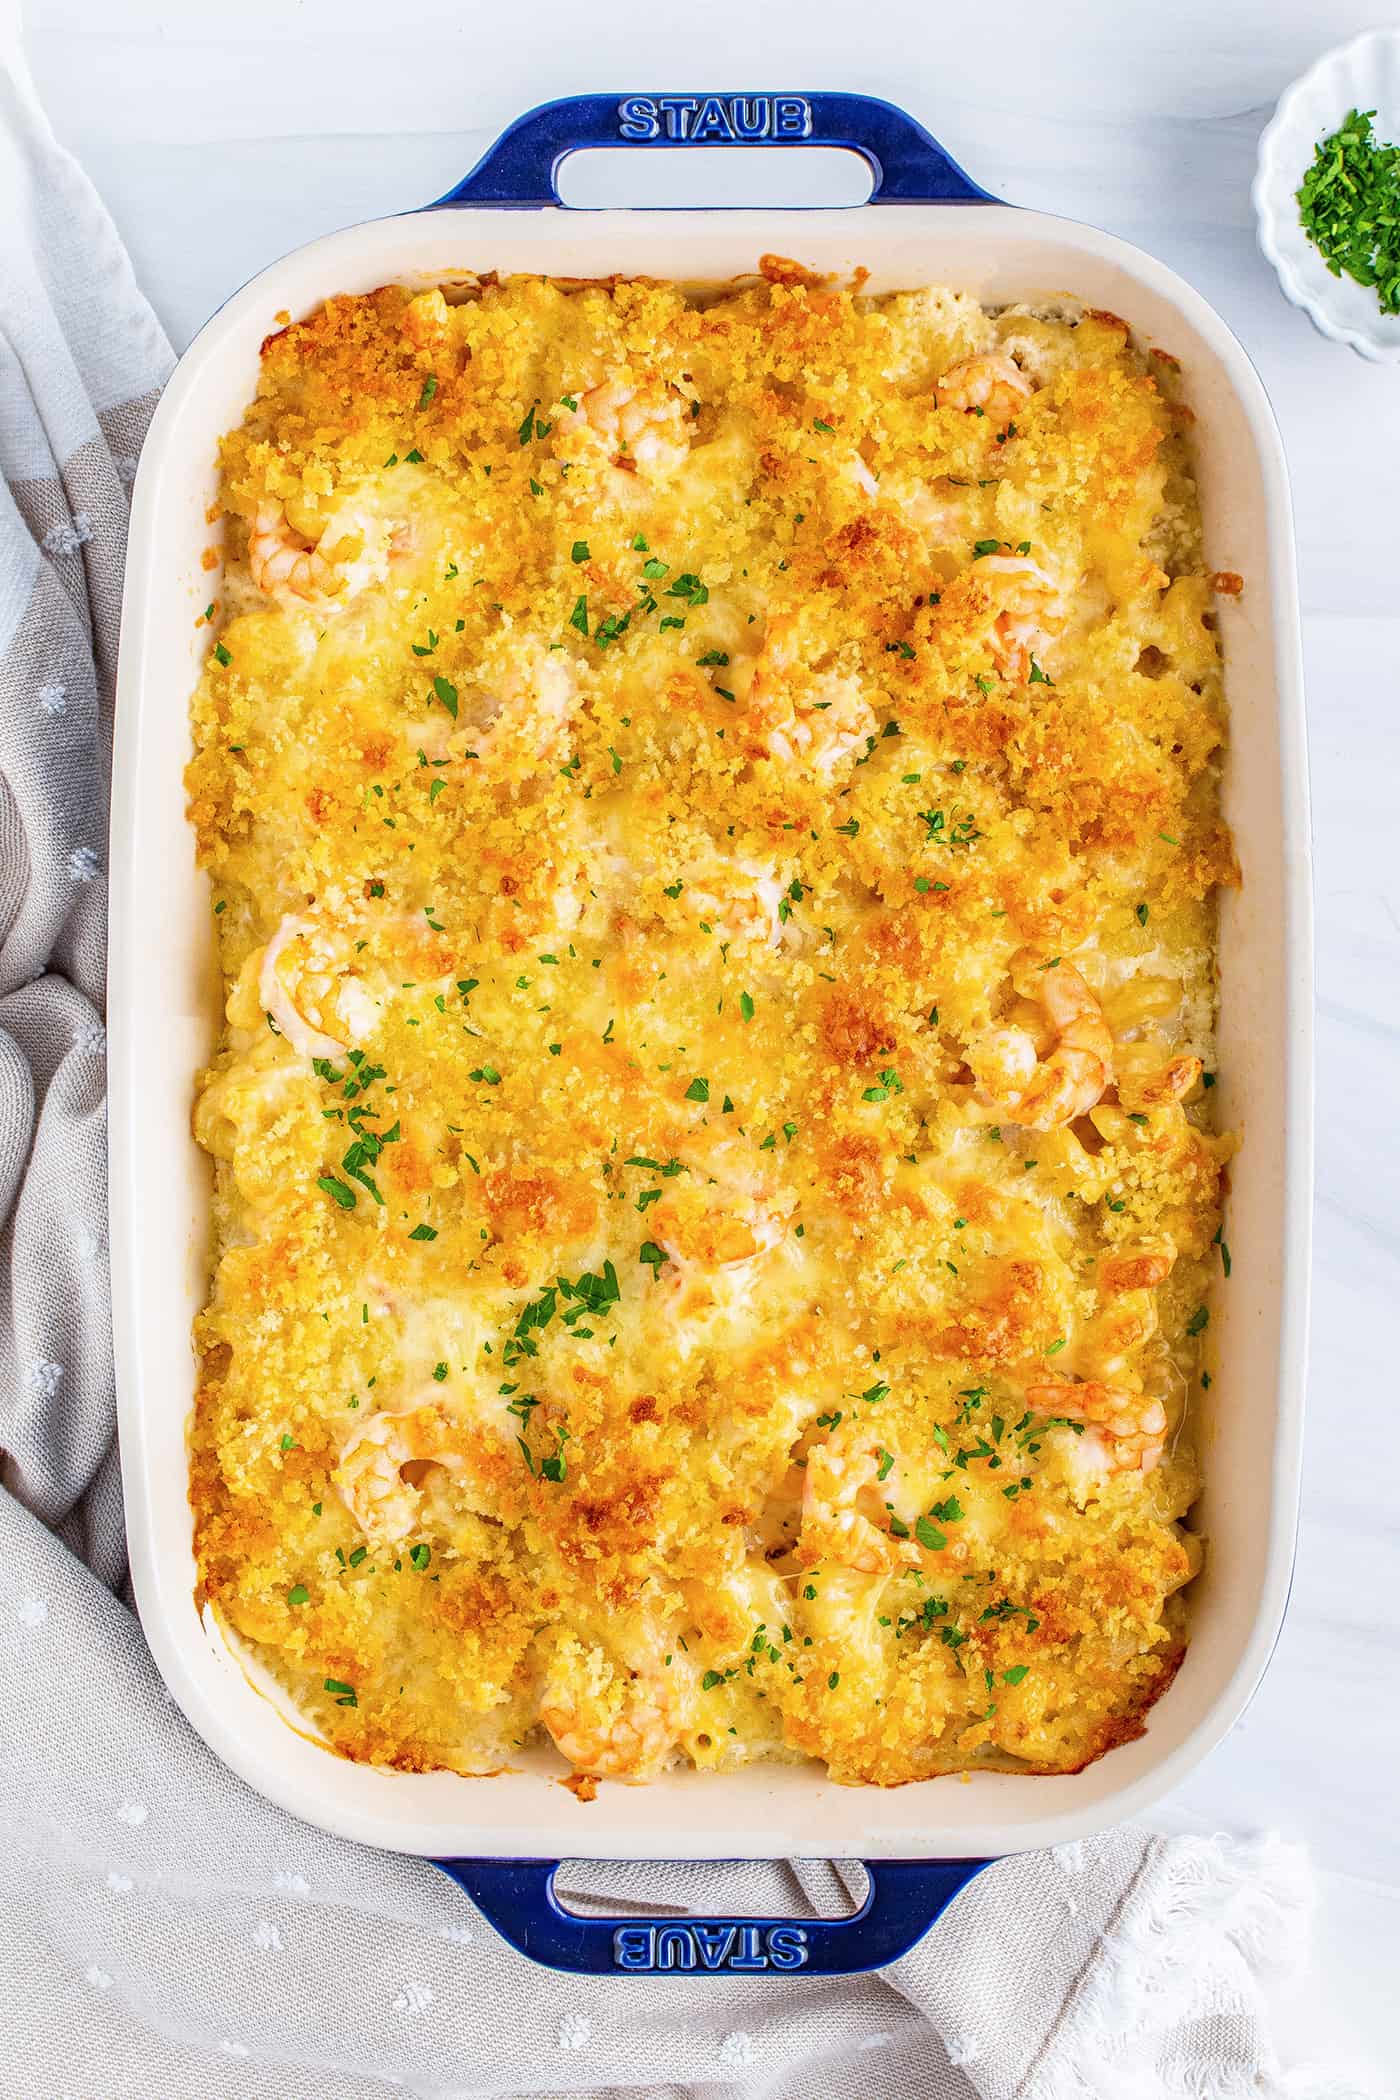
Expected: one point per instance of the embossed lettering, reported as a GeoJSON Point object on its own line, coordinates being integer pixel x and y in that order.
{"type": "Point", "coordinates": [637, 118]}
{"type": "Point", "coordinates": [677, 110]}
{"type": "Point", "coordinates": [714, 1943]}
{"type": "Point", "coordinates": [787, 1947]}
{"type": "Point", "coordinates": [749, 1954]}
{"type": "Point", "coordinates": [713, 121]}
{"type": "Point", "coordinates": [751, 116]}
{"type": "Point", "coordinates": [792, 117]}
{"type": "Point", "coordinates": [675, 1947]}
{"type": "Point", "coordinates": [633, 1947]}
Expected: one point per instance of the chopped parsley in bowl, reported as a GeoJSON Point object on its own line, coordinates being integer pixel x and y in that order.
{"type": "Point", "coordinates": [1349, 204]}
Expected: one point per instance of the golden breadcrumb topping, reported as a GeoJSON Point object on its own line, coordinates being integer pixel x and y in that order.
{"type": "Point", "coordinates": [712, 809]}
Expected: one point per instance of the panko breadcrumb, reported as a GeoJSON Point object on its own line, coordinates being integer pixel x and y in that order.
{"type": "Point", "coordinates": [712, 806]}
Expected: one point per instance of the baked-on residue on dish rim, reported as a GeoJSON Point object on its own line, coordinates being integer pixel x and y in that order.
{"type": "Point", "coordinates": [809, 697]}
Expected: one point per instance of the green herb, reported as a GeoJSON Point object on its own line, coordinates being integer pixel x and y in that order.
{"type": "Point", "coordinates": [344, 1196]}
{"type": "Point", "coordinates": [654, 1256]}
{"type": "Point", "coordinates": [423, 1232]}
{"type": "Point", "coordinates": [698, 1090]}
{"type": "Point", "coordinates": [1350, 207]}
{"type": "Point", "coordinates": [746, 1006]}
{"type": "Point", "coordinates": [221, 654]}
{"type": "Point", "coordinates": [690, 588]}
{"type": "Point", "coordinates": [420, 1556]}
{"type": "Point", "coordinates": [429, 389]}
{"type": "Point", "coordinates": [289, 1443]}
{"type": "Point", "coordinates": [579, 616]}
{"type": "Point", "coordinates": [1199, 1321]}
{"type": "Point", "coordinates": [446, 692]}
{"type": "Point", "coordinates": [580, 551]}
{"type": "Point", "coordinates": [299, 1595]}
{"type": "Point", "coordinates": [531, 426]}
{"type": "Point", "coordinates": [1140, 913]}
{"type": "Point", "coordinates": [344, 1693]}
{"type": "Point", "coordinates": [1016, 1674]}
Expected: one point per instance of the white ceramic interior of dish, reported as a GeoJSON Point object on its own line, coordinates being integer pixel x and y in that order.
{"type": "Point", "coordinates": [164, 1004]}
{"type": "Point", "coordinates": [1364, 75]}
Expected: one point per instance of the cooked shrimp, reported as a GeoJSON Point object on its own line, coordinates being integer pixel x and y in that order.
{"type": "Point", "coordinates": [996, 385]}
{"type": "Point", "coordinates": [1173, 1081]}
{"type": "Point", "coordinates": [643, 429]}
{"type": "Point", "coordinates": [736, 899]}
{"type": "Point", "coordinates": [305, 984]}
{"type": "Point", "coordinates": [1136, 1269]}
{"type": "Point", "coordinates": [279, 558]}
{"type": "Point", "coordinates": [727, 1211]}
{"type": "Point", "coordinates": [526, 713]}
{"type": "Point", "coordinates": [803, 717]}
{"type": "Point", "coordinates": [842, 1473]}
{"type": "Point", "coordinates": [626, 1731]}
{"type": "Point", "coordinates": [1126, 1429]}
{"type": "Point", "coordinates": [1030, 615]}
{"type": "Point", "coordinates": [1043, 1093]}
{"type": "Point", "coordinates": [382, 1468]}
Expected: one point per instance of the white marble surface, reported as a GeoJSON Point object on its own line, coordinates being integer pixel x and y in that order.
{"type": "Point", "coordinates": [221, 138]}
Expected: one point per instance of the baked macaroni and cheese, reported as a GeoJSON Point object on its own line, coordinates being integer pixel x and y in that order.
{"type": "Point", "coordinates": [712, 810]}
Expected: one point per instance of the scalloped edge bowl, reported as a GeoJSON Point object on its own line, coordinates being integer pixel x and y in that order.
{"type": "Point", "coordinates": [1364, 74]}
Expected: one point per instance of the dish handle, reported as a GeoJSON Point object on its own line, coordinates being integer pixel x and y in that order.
{"type": "Point", "coordinates": [909, 167]}
{"type": "Point", "coordinates": [904, 1899]}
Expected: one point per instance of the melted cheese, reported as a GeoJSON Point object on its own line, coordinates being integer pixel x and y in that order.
{"type": "Point", "coordinates": [653, 756]}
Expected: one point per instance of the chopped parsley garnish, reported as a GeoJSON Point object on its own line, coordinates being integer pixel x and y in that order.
{"type": "Point", "coordinates": [221, 654]}
{"type": "Point", "coordinates": [344, 1694]}
{"type": "Point", "coordinates": [445, 691]}
{"type": "Point", "coordinates": [423, 1232]}
{"type": "Point", "coordinates": [429, 389]}
{"type": "Point", "coordinates": [299, 1594]}
{"type": "Point", "coordinates": [580, 551]}
{"type": "Point", "coordinates": [690, 588]}
{"type": "Point", "coordinates": [1349, 205]}
{"type": "Point", "coordinates": [531, 426]}
{"type": "Point", "coordinates": [420, 1556]}
{"type": "Point", "coordinates": [890, 1083]}
{"type": "Point", "coordinates": [698, 1090]}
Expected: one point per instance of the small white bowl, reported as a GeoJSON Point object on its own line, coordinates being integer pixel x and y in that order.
{"type": "Point", "coordinates": [1364, 74]}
